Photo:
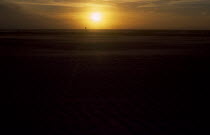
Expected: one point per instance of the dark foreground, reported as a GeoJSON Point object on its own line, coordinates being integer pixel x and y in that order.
{"type": "Point", "coordinates": [103, 82]}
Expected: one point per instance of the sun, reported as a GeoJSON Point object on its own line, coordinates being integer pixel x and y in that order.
{"type": "Point", "coordinates": [96, 16]}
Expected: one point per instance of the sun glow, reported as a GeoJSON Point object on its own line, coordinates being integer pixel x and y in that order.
{"type": "Point", "coordinates": [96, 17]}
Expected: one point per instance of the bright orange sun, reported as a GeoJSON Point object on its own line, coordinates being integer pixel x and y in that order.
{"type": "Point", "coordinates": [96, 16]}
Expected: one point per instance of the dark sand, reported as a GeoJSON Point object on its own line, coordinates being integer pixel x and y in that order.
{"type": "Point", "coordinates": [103, 82]}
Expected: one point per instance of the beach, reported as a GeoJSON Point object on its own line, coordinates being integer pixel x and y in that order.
{"type": "Point", "coordinates": [103, 81]}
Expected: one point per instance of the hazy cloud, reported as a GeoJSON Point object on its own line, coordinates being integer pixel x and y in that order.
{"type": "Point", "coordinates": [50, 13]}
{"type": "Point", "coordinates": [15, 16]}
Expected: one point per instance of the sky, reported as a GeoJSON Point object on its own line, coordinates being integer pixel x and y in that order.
{"type": "Point", "coordinates": [116, 14]}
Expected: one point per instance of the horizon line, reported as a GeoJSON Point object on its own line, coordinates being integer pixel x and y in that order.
{"type": "Point", "coordinates": [97, 29]}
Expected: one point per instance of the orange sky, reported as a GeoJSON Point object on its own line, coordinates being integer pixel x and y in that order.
{"type": "Point", "coordinates": [117, 14]}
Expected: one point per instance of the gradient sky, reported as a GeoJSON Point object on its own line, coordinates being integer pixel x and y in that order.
{"type": "Point", "coordinates": [118, 14]}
